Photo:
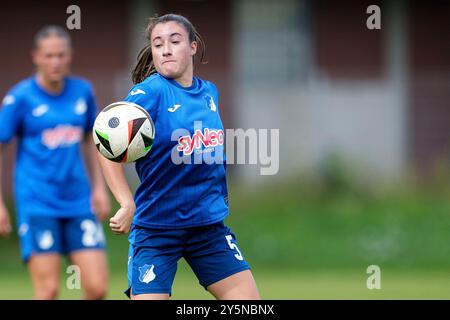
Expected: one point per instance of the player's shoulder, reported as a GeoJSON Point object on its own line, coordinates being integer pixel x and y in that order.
{"type": "Point", "coordinates": [22, 87]}
{"type": "Point", "coordinates": [18, 91]}
{"type": "Point", "coordinates": [151, 87]}
{"type": "Point", "coordinates": [153, 83]}
{"type": "Point", "coordinates": [208, 84]}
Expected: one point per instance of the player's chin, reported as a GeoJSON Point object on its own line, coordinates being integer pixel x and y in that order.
{"type": "Point", "coordinates": [56, 77]}
{"type": "Point", "coordinates": [169, 72]}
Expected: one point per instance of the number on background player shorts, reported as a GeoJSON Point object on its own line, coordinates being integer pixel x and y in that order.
{"type": "Point", "coordinates": [211, 251]}
{"type": "Point", "coordinates": [60, 235]}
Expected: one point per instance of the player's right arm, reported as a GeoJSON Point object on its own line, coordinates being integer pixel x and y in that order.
{"type": "Point", "coordinates": [114, 173]}
{"type": "Point", "coordinates": [11, 115]}
{"type": "Point", "coordinates": [115, 177]}
{"type": "Point", "coordinates": [5, 223]}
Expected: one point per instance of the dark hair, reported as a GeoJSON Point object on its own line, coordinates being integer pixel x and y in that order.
{"type": "Point", "coordinates": [144, 66]}
{"type": "Point", "coordinates": [51, 30]}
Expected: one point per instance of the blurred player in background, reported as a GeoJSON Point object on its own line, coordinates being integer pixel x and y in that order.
{"type": "Point", "coordinates": [178, 209]}
{"type": "Point", "coordinates": [52, 115]}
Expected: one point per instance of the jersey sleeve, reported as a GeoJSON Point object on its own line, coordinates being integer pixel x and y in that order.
{"type": "Point", "coordinates": [145, 97]}
{"type": "Point", "coordinates": [92, 109]}
{"type": "Point", "coordinates": [11, 115]}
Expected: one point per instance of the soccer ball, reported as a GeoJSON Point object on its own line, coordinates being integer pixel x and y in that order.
{"type": "Point", "coordinates": [123, 132]}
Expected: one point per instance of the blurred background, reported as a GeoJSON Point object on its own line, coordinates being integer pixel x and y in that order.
{"type": "Point", "coordinates": [364, 124]}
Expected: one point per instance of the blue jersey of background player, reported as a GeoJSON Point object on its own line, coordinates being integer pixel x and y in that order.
{"type": "Point", "coordinates": [52, 115]}
{"type": "Point", "coordinates": [181, 203]}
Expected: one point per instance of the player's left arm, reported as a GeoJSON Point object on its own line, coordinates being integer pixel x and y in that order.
{"type": "Point", "coordinates": [100, 200]}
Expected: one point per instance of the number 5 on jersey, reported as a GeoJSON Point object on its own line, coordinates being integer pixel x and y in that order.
{"type": "Point", "coordinates": [233, 246]}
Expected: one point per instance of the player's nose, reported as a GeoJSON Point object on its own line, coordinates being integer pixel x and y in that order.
{"type": "Point", "coordinates": [167, 51]}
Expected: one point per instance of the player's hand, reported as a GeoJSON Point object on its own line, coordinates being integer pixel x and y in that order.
{"type": "Point", "coordinates": [121, 222]}
{"type": "Point", "coordinates": [5, 223]}
{"type": "Point", "coordinates": [100, 203]}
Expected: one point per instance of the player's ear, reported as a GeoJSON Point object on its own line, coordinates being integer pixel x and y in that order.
{"type": "Point", "coordinates": [193, 47]}
{"type": "Point", "coordinates": [70, 55]}
{"type": "Point", "coordinates": [34, 56]}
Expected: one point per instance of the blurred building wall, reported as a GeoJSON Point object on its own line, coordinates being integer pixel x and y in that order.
{"type": "Point", "coordinates": [356, 105]}
{"type": "Point", "coordinates": [272, 60]}
{"type": "Point", "coordinates": [429, 87]}
{"type": "Point", "coordinates": [315, 71]}
{"type": "Point", "coordinates": [377, 98]}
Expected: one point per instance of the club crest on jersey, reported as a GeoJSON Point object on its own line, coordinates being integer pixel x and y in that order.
{"type": "Point", "coordinates": [146, 273]}
{"type": "Point", "coordinates": [80, 106]}
{"type": "Point", "coordinates": [210, 103]}
{"type": "Point", "coordinates": [207, 138]}
{"type": "Point", "coordinates": [45, 240]}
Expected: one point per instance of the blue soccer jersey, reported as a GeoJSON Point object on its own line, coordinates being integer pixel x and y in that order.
{"type": "Point", "coordinates": [183, 178]}
{"type": "Point", "coordinates": [50, 177]}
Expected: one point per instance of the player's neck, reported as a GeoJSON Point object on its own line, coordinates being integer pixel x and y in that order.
{"type": "Point", "coordinates": [53, 87]}
{"type": "Point", "coordinates": [186, 79]}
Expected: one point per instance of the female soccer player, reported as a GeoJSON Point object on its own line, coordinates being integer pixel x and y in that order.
{"type": "Point", "coordinates": [52, 115]}
{"type": "Point", "coordinates": [180, 205]}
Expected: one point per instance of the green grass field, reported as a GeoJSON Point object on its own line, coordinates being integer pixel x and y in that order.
{"type": "Point", "coordinates": [306, 243]}
{"type": "Point", "coordinates": [291, 284]}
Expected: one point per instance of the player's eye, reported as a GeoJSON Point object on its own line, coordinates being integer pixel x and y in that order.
{"type": "Point", "coordinates": [175, 42]}
{"type": "Point", "coordinates": [158, 45]}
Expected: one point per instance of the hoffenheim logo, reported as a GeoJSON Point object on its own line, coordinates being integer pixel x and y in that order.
{"type": "Point", "coordinates": [80, 106]}
{"type": "Point", "coordinates": [45, 240]}
{"type": "Point", "coordinates": [146, 273]}
{"type": "Point", "coordinates": [210, 102]}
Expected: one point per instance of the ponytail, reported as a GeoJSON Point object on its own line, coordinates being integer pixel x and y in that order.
{"type": "Point", "coordinates": [144, 67]}
{"type": "Point", "coordinates": [201, 43]}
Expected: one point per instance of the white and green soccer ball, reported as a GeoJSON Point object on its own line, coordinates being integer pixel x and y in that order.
{"type": "Point", "coordinates": [123, 132]}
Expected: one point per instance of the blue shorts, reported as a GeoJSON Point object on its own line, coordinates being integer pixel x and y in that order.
{"type": "Point", "coordinates": [39, 235]}
{"type": "Point", "coordinates": [211, 251]}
